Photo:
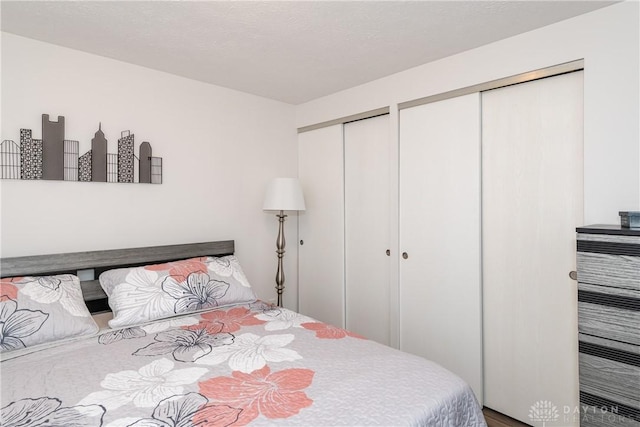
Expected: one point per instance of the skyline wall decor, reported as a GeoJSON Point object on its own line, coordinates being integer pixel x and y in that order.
{"type": "Point", "coordinates": [55, 158]}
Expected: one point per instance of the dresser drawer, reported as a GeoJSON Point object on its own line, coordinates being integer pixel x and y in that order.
{"type": "Point", "coordinates": [611, 313]}
{"type": "Point", "coordinates": [607, 372]}
{"type": "Point", "coordinates": [617, 271]}
{"type": "Point", "coordinates": [592, 416]}
{"type": "Point", "coordinates": [608, 260]}
{"type": "Point", "coordinates": [609, 381]}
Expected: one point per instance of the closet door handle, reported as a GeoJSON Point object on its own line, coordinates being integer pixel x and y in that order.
{"type": "Point", "coordinates": [388, 252]}
{"type": "Point", "coordinates": [301, 242]}
{"type": "Point", "coordinates": [573, 275]}
{"type": "Point", "coordinates": [405, 255]}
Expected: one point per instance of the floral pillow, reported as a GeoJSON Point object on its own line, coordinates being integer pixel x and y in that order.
{"type": "Point", "coordinates": [142, 294]}
{"type": "Point", "coordinates": [36, 310]}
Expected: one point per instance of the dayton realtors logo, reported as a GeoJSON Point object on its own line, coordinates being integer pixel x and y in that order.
{"type": "Point", "coordinates": [543, 411]}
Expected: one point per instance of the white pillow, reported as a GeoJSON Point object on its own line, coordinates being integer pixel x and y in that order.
{"type": "Point", "coordinates": [142, 294]}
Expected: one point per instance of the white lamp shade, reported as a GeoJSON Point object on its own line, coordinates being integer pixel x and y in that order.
{"type": "Point", "coordinates": [284, 194]}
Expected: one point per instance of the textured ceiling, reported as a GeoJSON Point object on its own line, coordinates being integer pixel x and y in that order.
{"type": "Point", "coordinates": [292, 51]}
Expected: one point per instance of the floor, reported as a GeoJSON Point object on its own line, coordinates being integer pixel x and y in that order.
{"type": "Point", "coordinates": [496, 419]}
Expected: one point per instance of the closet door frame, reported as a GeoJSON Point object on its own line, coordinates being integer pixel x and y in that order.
{"type": "Point", "coordinates": [554, 70]}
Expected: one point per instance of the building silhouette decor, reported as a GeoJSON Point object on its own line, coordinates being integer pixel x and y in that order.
{"type": "Point", "coordinates": [55, 158]}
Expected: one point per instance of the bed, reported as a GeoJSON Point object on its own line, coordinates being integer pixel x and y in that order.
{"type": "Point", "coordinates": [204, 353]}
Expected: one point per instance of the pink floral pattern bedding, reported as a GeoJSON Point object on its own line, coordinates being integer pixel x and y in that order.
{"type": "Point", "coordinates": [37, 310]}
{"type": "Point", "coordinates": [247, 364]}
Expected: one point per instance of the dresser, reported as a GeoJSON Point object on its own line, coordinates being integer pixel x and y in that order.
{"type": "Point", "coordinates": [609, 325]}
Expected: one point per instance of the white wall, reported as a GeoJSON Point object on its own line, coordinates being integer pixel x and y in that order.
{"type": "Point", "coordinates": [219, 147]}
{"type": "Point", "coordinates": [607, 40]}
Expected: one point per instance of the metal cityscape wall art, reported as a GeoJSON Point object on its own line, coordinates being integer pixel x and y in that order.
{"type": "Point", "coordinates": [55, 158]}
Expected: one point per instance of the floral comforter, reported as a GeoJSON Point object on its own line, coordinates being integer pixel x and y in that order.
{"type": "Point", "coordinates": [246, 364]}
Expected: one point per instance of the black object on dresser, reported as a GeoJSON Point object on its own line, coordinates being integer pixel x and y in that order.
{"type": "Point", "coordinates": [609, 325]}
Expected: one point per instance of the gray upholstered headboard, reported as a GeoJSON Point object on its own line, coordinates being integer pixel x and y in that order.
{"type": "Point", "coordinates": [95, 262]}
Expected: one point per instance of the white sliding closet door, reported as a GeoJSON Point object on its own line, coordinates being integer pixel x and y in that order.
{"type": "Point", "coordinates": [440, 292]}
{"type": "Point", "coordinates": [532, 190]}
{"type": "Point", "coordinates": [321, 225]}
{"type": "Point", "coordinates": [366, 181]}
